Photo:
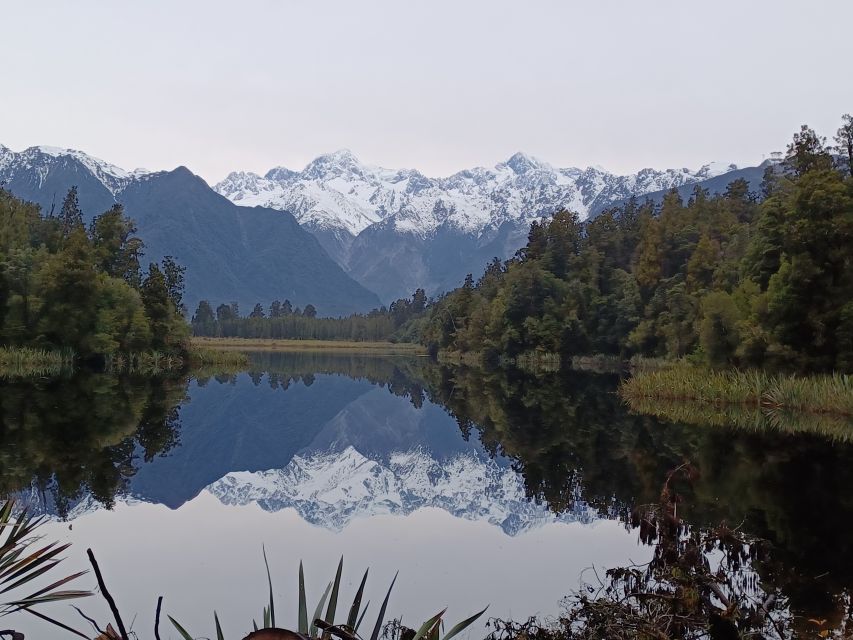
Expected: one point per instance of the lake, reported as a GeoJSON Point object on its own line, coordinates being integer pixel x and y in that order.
{"type": "Point", "coordinates": [502, 488]}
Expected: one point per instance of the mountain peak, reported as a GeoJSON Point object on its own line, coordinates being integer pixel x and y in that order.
{"type": "Point", "coordinates": [330, 165]}
{"type": "Point", "coordinates": [521, 163]}
{"type": "Point", "coordinates": [280, 174]}
{"type": "Point", "coordinates": [713, 169]}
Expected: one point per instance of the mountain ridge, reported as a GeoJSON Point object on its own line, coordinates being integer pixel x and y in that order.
{"type": "Point", "coordinates": [390, 230]}
{"type": "Point", "coordinates": [232, 253]}
{"type": "Point", "coordinates": [394, 230]}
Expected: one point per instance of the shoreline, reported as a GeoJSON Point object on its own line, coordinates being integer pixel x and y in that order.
{"type": "Point", "coordinates": [343, 346]}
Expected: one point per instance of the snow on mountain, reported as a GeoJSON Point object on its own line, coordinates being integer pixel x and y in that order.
{"type": "Point", "coordinates": [337, 192]}
{"type": "Point", "coordinates": [330, 489]}
{"type": "Point", "coordinates": [41, 159]}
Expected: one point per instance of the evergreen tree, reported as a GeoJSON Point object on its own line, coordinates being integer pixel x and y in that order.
{"type": "Point", "coordinates": [224, 313]}
{"type": "Point", "coordinates": [116, 248]}
{"type": "Point", "coordinates": [203, 314]}
{"type": "Point", "coordinates": [844, 139]}
{"type": "Point", "coordinates": [173, 273]}
{"type": "Point", "coordinates": [807, 152]}
{"type": "Point", "coordinates": [168, 330]}
{"type": "Point", "coordinates": [70, 214]}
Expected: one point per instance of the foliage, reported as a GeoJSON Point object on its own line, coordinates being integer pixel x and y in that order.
{"type": "Point", "coordinates": [23, 361]}
{"type": "Point", "coordinates": [284, 322]}
{"type": "Point", "coordinates": [577, 446]}
{"type": "Point", "coordinates": [698, 584]}
{"type": "Point", "coordinates": [324, 626]}
{"type": "Point", "coordinates": [23, 560]}
{"type": "Point", "coordinates": [726, 280]}
{"type": "Point", "coordinates": [65, 287]}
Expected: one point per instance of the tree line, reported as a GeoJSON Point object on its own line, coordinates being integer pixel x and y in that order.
{"type": "Point", "coordinates": [283, 321]}
{"type": "Point", "coordinates": [737, 279]}
{"type": "Point", "coordinates": [66, 286]}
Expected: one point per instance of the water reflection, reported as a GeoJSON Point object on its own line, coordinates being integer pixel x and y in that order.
{"type": "Point", "coordinates": [357, 446]}
{"type": "Point", "coordinates": [83, 437]}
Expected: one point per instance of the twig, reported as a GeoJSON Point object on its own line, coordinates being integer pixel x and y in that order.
{"type": "Point", "coordinates": [88, 619]}
{"type": "Point", "coordinates": [107, 595]}
{"type": "Point", "coordinates": [157, 618]}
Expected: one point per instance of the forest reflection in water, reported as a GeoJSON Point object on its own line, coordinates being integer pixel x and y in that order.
{"type": "Point", "coordinates": [93, 437]}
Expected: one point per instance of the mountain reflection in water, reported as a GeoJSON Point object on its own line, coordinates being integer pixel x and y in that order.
{"type": "Point", "coordinates": [478, 463]}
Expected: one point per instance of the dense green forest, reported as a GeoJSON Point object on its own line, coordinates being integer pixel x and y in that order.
{"type": "Point", "coordinates": [283, 321]}
{"type": "Point", "coordinates": [737, 279]}
{"type": "Point", "coordinates": [63, 286]}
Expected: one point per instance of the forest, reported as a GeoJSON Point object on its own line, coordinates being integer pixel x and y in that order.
{"type": "Point", "coordinates": [752, 280]}
{"type": "Point", "coordinates": [284, 321]}
{"type": "Point", "coordinates": [67, 287]}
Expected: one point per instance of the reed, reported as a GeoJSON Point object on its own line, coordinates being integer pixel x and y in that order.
{"type": "Point", "coordinates": [200, 356]}
{"type": "Point", "coordinates": [21, 362]}
{"type": "Point", "coordinates": [824, 394]}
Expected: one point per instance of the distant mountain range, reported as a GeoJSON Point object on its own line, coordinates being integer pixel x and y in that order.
{"type": "Point", "coordinates": [395, 230]}
{"type": "Point", "coordinates": [339, 234]}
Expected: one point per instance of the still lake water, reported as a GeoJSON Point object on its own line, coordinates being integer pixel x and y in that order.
{"type": "Point", "coordinates": [497, 488]}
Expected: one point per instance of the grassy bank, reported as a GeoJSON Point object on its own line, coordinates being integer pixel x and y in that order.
{"type": "Point", "coordinates": [25, 362]}
{"type": "Point", "coordinates": [250, 344]}
{"type": "Point", "coordinates": [822, 394]}
{"type": "Point", "coordinates": [204, 356]}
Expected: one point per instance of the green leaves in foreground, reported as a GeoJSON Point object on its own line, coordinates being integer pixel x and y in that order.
{"type": "Point", "coordinates": [20, 565]}
{"type": "Point", "coordinates": [429, 630]}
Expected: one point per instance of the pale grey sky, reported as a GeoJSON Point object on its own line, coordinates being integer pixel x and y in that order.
{"type": "Point", "coordinates": [438, 85]}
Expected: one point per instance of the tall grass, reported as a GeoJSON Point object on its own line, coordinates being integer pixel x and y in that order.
{"type": "Point", "coordinates": [207, 356]}
{"type": "Point", "coordinates": [826, 394]}
{"type": "Point", "coordinates": [206, 362]}
{"type": "Point", "coordinates": [26, 362]}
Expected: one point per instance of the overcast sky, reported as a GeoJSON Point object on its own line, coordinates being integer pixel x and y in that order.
{"type": "Point", "coordinates": [432, 84]}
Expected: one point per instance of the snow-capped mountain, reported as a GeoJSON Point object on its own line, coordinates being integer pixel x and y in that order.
{"type": "Point", "coordinates": [395, 230]}
{"type": "Point", "coordinates": [336, 191]}
{"type": "Point", "coordinates": [231, 253]}
{"type": "Point", "coordinates": [332, 488]}
{"type": "Point", "coordinates": [392, 231]}
{"type": "Point", "coordinates": [41, 159]}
